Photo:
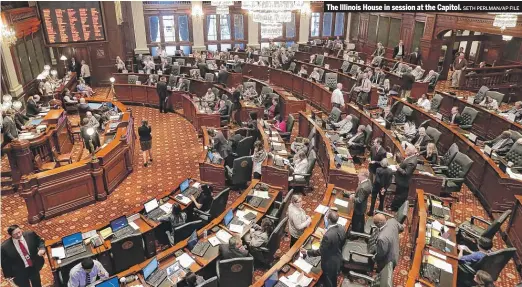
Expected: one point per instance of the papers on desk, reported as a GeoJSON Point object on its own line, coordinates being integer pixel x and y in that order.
{"type": "Point", "coordinates": [321, 209]}
{"type": "Point", "coordinates": [58, 252]}
{"type": "Point", "coordinates": [441, 264]}
{"type": "Point", "coordinates": [512, 174]}
{"type": "Point", "coordinates": [470, 100]}
{"type": "Point", "coordinates": [274, 139]}
{"type": "Point", "coordinates": [105, 233]}
{"type": "Point", "coordinates": [342, 221]}
{"type": "Point", "coordinates": [214, 241]}
{"type": "Point", "coordinates": [426, 173]}
{"type": "Point", "coordinates": [341, 202]}
{"type": "Point", "coordinates": [472, 137]}
{"type": "Point", "coordinates": [183, 199]}
{"type": "Point", "coordinates": [436, 225]}
{"type": "Point", "coordinates": [236, 228]}
{"type": "Point", "coordinates": [303, 265]}
{"type": "Point", "coordinates": [134, 225]}
{"type": "Point", "coordinates": [133, 217]}
{"type": "Point", "coordinates": [167, 207]}
{"type": "Point", "coordinates": [243, 213]}
{"type": "Point", "coordinates": [292, 99]}
{"type": "Point", "coordinates": [436, 254]}
{"type": "Point", "coordinates": [223, 236]}
{"type": "Point", "coordinates": [296, 279]}
{"type": "Point", "coordinates": [196, 185]}
{"type": "Point", "coordinates": [262, 194]}
{"type": "Point", "coordinates": [438, 116]}
{"type": "Point", "coordinates": [185, 260]}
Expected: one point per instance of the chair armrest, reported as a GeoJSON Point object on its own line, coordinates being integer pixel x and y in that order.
{"type": "Point", "coordinates": [199, 212]}
{"type": "Point", "coordinates": [301, 174]}
{"type": "Point", "coordinates": [261, 249]}
{"type": "Point", "coordinates": [479, 219]}
{"type": "Point", "coordinates": [361, 276]}
{"type": "Point", "coordinates": [275, 219]}
{"type": "Point", "coordinates": [516, 168]}
{"type": "Point", "coordinates": [369, 256]}
{"type": "Point", "coordinates": [229, 170]}
{"type": "Point", "coordinates": [384, 213]}
{"type": "Point", "coordinates": [467, 268]}
{"type": "Point", "coordinates": [455, 179]}
{"type": "Point", "coordinates": [225, 116]}
{"type": "Point", "coordinates": [360, 234]}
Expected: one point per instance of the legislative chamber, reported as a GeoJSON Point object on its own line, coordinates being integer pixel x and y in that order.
{"type": "Point", "coordinates": [260, 143]}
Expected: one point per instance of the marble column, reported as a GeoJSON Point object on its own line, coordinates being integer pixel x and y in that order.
{"type": "Point", "coordinates": [348, 26]}
{"type": "Point", "coordinates": [304, 26]}
{"type": "Point", "coordinates": [140, 36]}
{"type": "Point", "coordinates": [253, 33]}
{"type": "Point", "coordinates": [15, 89]}
{"type": "Point", "coordinates": [198, 27]}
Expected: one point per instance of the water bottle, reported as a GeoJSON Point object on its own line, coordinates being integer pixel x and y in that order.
{"type": "Point", "coordinates": [205, 234]}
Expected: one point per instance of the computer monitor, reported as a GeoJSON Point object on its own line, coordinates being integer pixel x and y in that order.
{"type": "Point", "coordinates": [111, 282]}
{"type": "Point", "coordinates": [193, 239]}
{"type": "Point", "coordinates": [151, 205]}
{"type": "Point", "coordinates": [119, 223]}
{"type": "Point", "coordinates": [184, 185]}
{"type": "Point", "coordinates": [272, 280]}
{"type": "Point", "coordinates": [72, 239]}
{"type": "Point", "coordinates": [150, 268]}
{"type": "Point", "coordinates": [228, 217]}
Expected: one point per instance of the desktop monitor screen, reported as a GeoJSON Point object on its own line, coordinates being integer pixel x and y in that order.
{"type": "Point", "coordinates": [228, 217]}
{"type": "Point", "coordinates": [193, 239]}
{"type": "Point", "coordinates": [111, 282]}
{"type": "Point", "coordinates": [72, 239]}
{"type": "Point", "coordinates": [150, 268]}
{"type": "Point", "coordinates": [184, 185]}
{"type": "Point", "coordinates": [151, 205]}
{"type": "Point", "coordinates": [119, 223]}
{"type": "Point", "coordinates": [272, 280]}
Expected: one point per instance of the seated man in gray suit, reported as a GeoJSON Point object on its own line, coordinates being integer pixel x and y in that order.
{"type": "Point", "coordinates": [501, 144]}
{"type": "Point", "coordinates": [234, 249]}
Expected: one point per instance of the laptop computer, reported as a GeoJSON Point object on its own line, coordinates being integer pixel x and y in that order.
{"type": "Point", "coordinates": [73, 244]}
{"type": "Point", "coordinates": [120, 227]}
{"type": "Point", "coordinates": [111, 282]}
{"type": "Point", "coordinates": [152, 274]}
{"type": "Point", "coordinates": [197, 247]}
{"type": "Point", "coordinates": [272, 280]}
{"type": "Point", "coordinates": [188, 190]}
{"type": "Point", "coordinates": [228, 217]}
{"type": "Point", "coordinates": [152, 209]}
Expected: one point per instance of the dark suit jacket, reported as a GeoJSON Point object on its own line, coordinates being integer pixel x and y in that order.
{"type": "Point", "coordinates": [31, 109]}
{"type": "Point", "coordinates": [250, 55]}
{"type": "Point", "coordinates": [20, 120]}
{"type": "Point", "coordinates": [388, 244]}
{"type": "Point", "coordinates": [504, 148]}
{"type": "Point", "coordinates": [378, 78]}
{"type": "Point", "coordinates": [161, 89]}
{"type": "Point", "coordinates": [9, 130]}
{"type": "Point", "coordinates": [95, 139]}
{"type": "Point", "coordinates": [361, 197]}
{"type": "Point", "coordinates": [432, 159]}
{"type": "Point", "coordinates": [405, 170]}
{"type": "Point", "coordinates": [12, 263]}
{"type": "Point", "coordinates": [423, 142]}
{"type": "Point", "coordinates": [221, 144]}
{"type": "Point", "coordinates": [415, 58]}
{"type": "Point", "coordinates": [396, 51]}
{"type": "Point", "coordinates": [229, 251]}
{"type": "Point", "coordinates": [407, 81]}
{"type": "Point", "coordinates": [330, 249]}
{"type": "Point", "coordinates": [383, 177]}
{"type": "Point", "coordinates": [376, 155]}
{"type": "Point", "coordinates": [77, 68]}
{"type": "Point", "coordinates": [459, 66]}
{"type": "Point", "coordinates": [457, 120]}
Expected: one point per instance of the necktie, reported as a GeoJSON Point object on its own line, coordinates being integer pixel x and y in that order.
{"type": "Point", "coordinates": [88, 278]}
{"type": "Point", "coordinates": [25, 253]}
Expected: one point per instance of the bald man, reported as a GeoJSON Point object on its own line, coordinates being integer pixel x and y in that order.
{"type": "Point", "coordinates": [403, 175]}
{"type": "Point", "coordinates": [387, 245]}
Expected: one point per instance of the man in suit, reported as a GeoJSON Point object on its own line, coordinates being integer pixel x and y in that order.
{"type": "Point", "coordinates": [387, 241]}
{"type": "Point", "coordinates": [161, 90]}
{"type": "Point", "coordinates": [219, 143]}
{"type": "Point", "coordinates": [501, 144]}
{"type": "Point", "coordinates": [9, 128]}
{"type": "Point", "coordinates": [86, 137]}
{"type": "Point", "coordinates": [416, 57]}
{"type": "Point", "coordinates": [455, 118]}
{"type": "Point", "coordinates": [181, 85]}
{"type": "Point", "coordinates": [459, 64]}
{"type": "Point", "coordinates": [31, 109]}
{"type": "Point", "coordinates": [383, 179]}
{"type": "Point", "coordinates": [398, 51]}
{"type": "Point", "coordinates": [378, 77]}
{"type": "Point", "coordinates": [22, 257]}
{"type": "Point", "coordinates": [421, 140]}
{"type": "Point", "coordinates": [377, 153]}
{"type": "Point", "coordinates": [360, 201]}
{"type": "Point", "coordinates": [330, 250]}
{"type": "Point", "coordinates": [407, 83]}
{"type": "Point", "coordinates": [356, 143]}
{"type": "Point", "coordinates": [76, 67]}
{"type": "Point", "coordinates": [234, 249]}
{"type": "Point", "coordinates": [379, 51]}
{"type": "Point", "coordinates": [515, 110]}
{"type": "Point", "coordinates": [403, 175]}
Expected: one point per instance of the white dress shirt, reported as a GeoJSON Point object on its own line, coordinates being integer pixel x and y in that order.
{"type": "Point", "coordinates": [85, 71]}
{"type": "Point", "coordinates": [17, 246]}
{"type": "Point", "coordinates": [337, 97]}
{"type": "Point", "coordinates": [424, 103]}
{"type": "Point", "coordinates": [400, 51]}
{"type": "Point", "coordinates": [78, 276]}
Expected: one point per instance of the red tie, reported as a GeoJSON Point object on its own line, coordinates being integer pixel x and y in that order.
{"type": "Point", "coordinates": [25, 253]}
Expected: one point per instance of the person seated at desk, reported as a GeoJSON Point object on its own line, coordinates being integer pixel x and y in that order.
{"type": "Point", "coordinates": [280, 124]}
{"type": "Point", "coordinates": [151, 81]}
{"type": "Point", "coordinates": [312, 59]}
{"type": "Point", "coordinates": [489, 103]}
{"type": "Point", "coordinates": [387, 245]}
{"type": "Point", "coordinates": [68, 98]}
{"type": "Point", "coordinates": [251, 93]}
{"type": "Point", "coordinates": [193, 280]}
{"type": "Point", "coordinates": [302, 72]}
{"type": "Point", "coordinates": [344, 127]}
{"type": "Point", "coordinates": [205, 199]}
{"type": "Point", "coordinates": [209, 98]}
{"type": "Point", "coordinates": [300, 164]}
{"type": "Point", "coordinates": [515, 110]}
{"type": "Point", "coordinates": [84, 89]}
{"type": "Point", "coordinates": [258, 157]}
{"type": "Point", "coordinates": [219, 143]}
{"type": "Point", "coordinates": [176, 218]}
{"type": "Point", "coordinates": [234, 249]}
{"type": "Point", "coordinates": [430, 78]}
{"type": "Point", "coordinates": [315, 75]}
{"type": "Point", "coordinates": [259, 234]}
{"type": "Point", "coordinates": [455, 118]}
{"type": "Point", "coordinates": [363, 90]}
{"type": "Point", "coordinates": [484, 246]}
{"type": "Point", "coordinates": [483, 279]}
{"type": "Point", "coordinates": [273, 111]}
{"type": "Point", "coordinates": [296, 146]}
{"type": "Point", "coordinates": [421, 139]}
{"type": "Point", "coordinates": [378, 77]}
{"type": "Point", "coordinates": [430, 153]}
{"type": "Point", "coordinates": [417, 73]}
{"type": "Point", "coordinates": [424, 103]}
{"type": "Point", "coordinates": [501, 144]}
{"type": "Point", "coordinates": [148, 65]}
{"type": "Point", "coordinates": [181, 86]}
{"type": "Point", "coordinates": [32, 109]}
{"type": "Point", "coordinates": [410, 131]}
{"type": "Point", "coordinates": [86, 273]}
{"type": "Point", "coordinates": [383, 91]}
{"type": "Point", "coordinates": [357, 141]}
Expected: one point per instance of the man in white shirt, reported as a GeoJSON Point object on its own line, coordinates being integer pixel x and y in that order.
{"type": "Point", "coordinates": [302, 72]}
{"type": "Point", "coordinates": [424, 103]}
{"type": "Point", "coordinates": [337, 97]}
{"type": "Point", "coordinates": [86, 73]}
{"type": "Point", "coordinates": [86, 273]}
{"type": "Point", "coordinates": [344, 126]}
{"type": "Point", "coordinates": [300, 164]}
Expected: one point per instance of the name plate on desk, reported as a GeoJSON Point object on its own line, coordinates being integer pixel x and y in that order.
{"type": "Point", "coordinates": [438, 116]}
{"type": "Point", "coordinates": [141, 72]}
{"type": "Point", "coordinates": [125, 71]}
{"type": "Point", "coordinates": [472, 137]}
{"type": "Point", "coordinates": [160, 72]}
{"type": "Point", "coordinates": [325, 54]}
{"type": "Point", "coordinates": [327, 66]}
{"type": "Point", "coordinates": [487, 150]}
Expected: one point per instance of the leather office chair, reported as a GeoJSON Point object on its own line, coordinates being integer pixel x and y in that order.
{"type": "Point", "coordinates": [244, 147]}
{"type": "Point", "coordinates": [195, 73]}
{"type": "Point", "coordinates": [61, 158]}
{"type": "Point", "coordinates": [211, 282]}
{"type": "Point", "coordinates": [400, 216]}
{"type": "Point", "coordinates": [383, 278]}
{"type": "Point", "coordinates": [266, 90]}
{"type": "Point", "coordinates": [446, 159]}
{"type": "Point", "coordinates": [456, 173]}
{"type": "Point", "coordinates": [493, 263]}
{"type": "Point", "coordinates": [469, 232]}
{"type": "Point", "coordinates": [289, 126]}
{"type": "Point", "coordinates": [209, 77]}
{"type": "Point", "coordinates": [41, 165]}
{"type": "Point", "coordinates": [433, 82]}
{"type": "Point", "coordinates": [499, 97]}
{"type": "Point", "coordinates": [435, 103]}
{"type": "Point", "coordinates": [468, 117]}
{"type": "Point", "coordinates": [279, 208]}
{"type": "Point", "coordinates": [218, 206]}
{"type": "Point", "coordinates": [127, 251]}
{"type": "Point", "coordinates": [480, 95]}
{"type": "Point", "coordinates": [355, 124]}
{"type": "Point", "coordinates": [335, 115]}
{"type": "Point", "coordinates": [225, 120]}
{"type": "Point", "coordinates": [65, 269]}
{"type": "Point", "coordinates": [291, 68]}
{"type": "Point", "coordinates": [303, 180]}
{"type": "Point", "coordinates": [514, 155]}
{"type": "Point", "coordinates": [175, 70]}
{"type": "Point", "coordinates": [241, 172]}
{"type": "Point", "coordinates": [321, 74]}
{"type": "Point", "coordinates": [131, 79]}
{"type": "Point", "coordinates": [345, 66]}
{"type": "Point", "coordinates": [184, 231]}
{"type": "Point", "coordinates": [181, 62]}
{"type": "Point", "coordinates": [265, 254]}
{"type": "Point", "coordinates": [169, 60]}
{"type": "Point", "coordinates": [235, 272]}
{"type": "Point", "coordinates": [203, 68]}
{"type": "Point", "coordinates": [216, 92]}
{"type": "Point", "coordinates": [515, 135]}
{"type": "Point", "coordinates": [405, 111]}
{"type": "Point", "coordinates": [187, 84]}
{"type": "Point", "coordinates": [434, 134]}
{"type": "Point", "coordinates": [330, 80]}
{"type": "Point", "coordinates": [319, 60]}
{"type": "Point", "coordinates": [358, 150]}
{"type": "Point", "coordinates": [359, 250]}
{"type": "Point", "coordinates": [172, 80]}
{"type": "Point", "coordinates": [223, 77]}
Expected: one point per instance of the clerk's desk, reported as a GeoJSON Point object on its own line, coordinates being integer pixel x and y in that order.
{"type": "Point", "coordinates": [206, 262]}
{"type": "Point", "coordinates": [487, 125]}
{"type": "Point", "coordinates": [331, 194]}
{"type": "Point", "coordinates": [419, 220]}
{"type": "Point", "coordinates": [484, 176]}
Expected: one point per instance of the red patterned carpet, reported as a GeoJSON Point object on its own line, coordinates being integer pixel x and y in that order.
{"type": "Point", "coordinates": [176, 150]}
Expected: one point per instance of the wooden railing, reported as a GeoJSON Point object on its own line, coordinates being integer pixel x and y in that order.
{"type": "Point", "coordinates": [492, 77]}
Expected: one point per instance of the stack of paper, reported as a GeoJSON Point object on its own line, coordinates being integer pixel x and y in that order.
{"type": "Point", "coordinates": [321, 209]}
{"type": "Point", "coordinates": [185, 260]}
{"type": "Point", "coordinates": [223, 236]}
{"type": "Point", "coordinates": [105, 233]}
{"type": "Point", "coordinates": [58, 252]}
{"type": "Point", "coordinates": [262, 194]}
{"type": "Point", "coordinates": [196, 185]}
{"type": "Point", "coordinates": [134, 225]}
{"type": "Point", "coordinates": [236, 228]}
{"type": "Point", "coordinates": [441, 264]}
{"type": "Point", "coordinates": [303, 265]}
{"type": "Point", "coordinates": [340, 202]}
{"type": "Point", "coordinates": [183, 199]}
{"type": "Point", "coordinates": [89, 234]}
{"type": "Point", "coordinates": [133, 217]}
{"type": "Point", "coordinates": [167, 207]}
{"type": "Point", "coordinates": [214, 241]}
{"type": "Point", "coordinates": [342, 221]}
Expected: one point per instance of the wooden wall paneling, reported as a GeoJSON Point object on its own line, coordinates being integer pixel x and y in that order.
{"type": "Point", "coordinates": [407, 28]}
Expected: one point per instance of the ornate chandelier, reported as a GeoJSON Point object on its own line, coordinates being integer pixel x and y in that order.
{"type": "Point", "coordinates": [272, 31]}
{"type": "Point", "coordinates": [271, 12]}
{"type": "Point", "coordinates": [505, 20]}
{"type": "Point", "coordinates": [8, 35]}
{"type": "Point", "coordinates": [272, 17]}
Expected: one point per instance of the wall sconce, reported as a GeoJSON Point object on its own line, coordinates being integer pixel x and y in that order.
{"type": "Point", "coordinates": [305, 9]}
{"type": "Point", "coordinates": [7, 34]}
{"type": "Point", "coordinates": [507, 37]}
{"type": "Point", "coordinates": [197, 11]}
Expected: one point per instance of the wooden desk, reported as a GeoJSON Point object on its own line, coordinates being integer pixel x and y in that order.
{"type": "Point", "coordinates": [317, 221]}
{"type": "Point", "coordinates": [72, 186]}
{"type": "Point", "coordinates": [271, 173]}
{"type": "Point", "coordinates": [210, 172]}
{"type": "Point", "coordinates": [197, 118]}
